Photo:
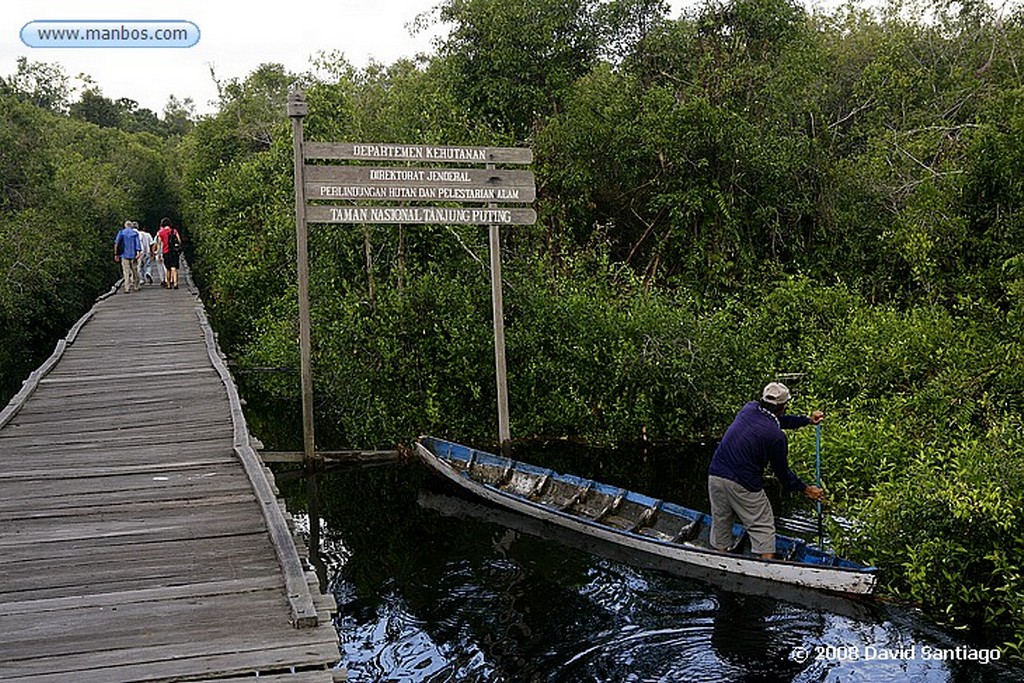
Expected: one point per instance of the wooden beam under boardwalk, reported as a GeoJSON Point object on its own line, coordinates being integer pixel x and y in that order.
{"type": "Point", "coordinates": [139, 536]}
{"type": "Point", "coordinates": [351, 457]}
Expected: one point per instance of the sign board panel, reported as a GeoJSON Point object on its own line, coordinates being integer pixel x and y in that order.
{"type": "Point", "coordinates": [404, 193]}
{"type": "Point", "coordinates": [358, 151]}
{"type": "Point", "coordinates": [423, 215]}
{"type": "Point", "coordinates": [418, 177]}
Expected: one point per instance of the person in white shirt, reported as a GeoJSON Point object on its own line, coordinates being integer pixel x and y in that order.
{"type": "Point", "coordinates": [157, 261]}
{"type": "Point", "coordinates": [145, 256]}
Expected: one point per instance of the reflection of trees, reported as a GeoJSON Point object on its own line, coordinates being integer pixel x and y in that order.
{"type": "Point", "coordinates": [740, 635]}
{"type": "Point", "coordinates": [471, 586]}
{"type": "Point", "coordinates": [745, 635]}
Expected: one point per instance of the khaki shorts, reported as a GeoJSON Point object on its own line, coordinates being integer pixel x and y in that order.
{"type": "Point", "coordinates": [729, 502]}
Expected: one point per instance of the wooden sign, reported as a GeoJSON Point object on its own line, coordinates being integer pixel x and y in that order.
{"type": "Point", "coordinates": [393, 193]}
{"type": "Point", "coordinates": [359, 151]}
{"type": "Point", "coordinates": [424, 215]}
{"type": "Point", "coordinates": [393, 184]}
{"type": "Point", "coordinates": [418, 177]}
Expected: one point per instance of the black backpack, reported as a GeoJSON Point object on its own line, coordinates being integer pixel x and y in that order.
{"type": "Point", "coordinates": [174, 242]}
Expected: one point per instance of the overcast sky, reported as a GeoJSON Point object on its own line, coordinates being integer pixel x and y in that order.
{"type": "Point", "coordinates": [235, 39]}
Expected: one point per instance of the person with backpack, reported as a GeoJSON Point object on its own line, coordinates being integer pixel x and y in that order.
{"type": "Point", "coordinates": [170, 242]}
{"type": "Point", "coordinates": [126, 250]}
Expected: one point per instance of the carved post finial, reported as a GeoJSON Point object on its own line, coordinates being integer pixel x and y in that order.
{"type": "Point", "coordinates": [297, 107]}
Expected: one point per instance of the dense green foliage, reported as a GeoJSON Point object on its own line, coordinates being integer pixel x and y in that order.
{"type": "Point", "coordinates": [67, 188]}
{"type": "Point", "coordinates": [745, 191]}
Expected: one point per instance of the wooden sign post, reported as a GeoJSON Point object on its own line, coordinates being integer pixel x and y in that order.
{"type": "Point", "coordinates": [297, 109]}
{"type": "Point", "coordinates": [423, 189]}
{"type": "Point", "coordinates": [498, 314]}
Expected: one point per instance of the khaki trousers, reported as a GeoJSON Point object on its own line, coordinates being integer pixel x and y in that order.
{"type": "Point", "coordinates": [130, 271]}
{"type": "Point", "coordinates": [729, 502]}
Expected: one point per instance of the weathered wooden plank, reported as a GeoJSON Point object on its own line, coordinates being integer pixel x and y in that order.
{"type": "Point", "coordinates": [196, 459]}
{"type": "Point", "coordinates": [99, 650]}
{"type": "Point", "coordinates": [113, 530]}
{"type": "Point", "coordinates": [103, 626]}
{"type": "Point", "coordinates": [164, 357]}
{"type": "Point", "coordinates": [153, 423]}
{"type": "Point", "coordinates": [326, 676]}
{"type": "Point", "coordinates": [131, 379]}
{"type": "Point", "coordinates": [80, 459]}
{"type": "Point", "coordinates": [125, 428]}
{"type": "Point", "coordinates": [107, 578]}
{"type": "Point", "coordinates": [88, 404]}
{"type": "Point", "coordinates": [48, 494]}
{"type": "Point", "coordinates": [129, 438]}
{"type": "Point", "coordinates": [339, 456]}
{"type": "Point", "coordinates": [175, 618]}
{"type": "Point", "coordinates": [167, 664]}
{"type": "Point", "coordinates": [234, 587]}
{"type": "Point", "coordinates": [194, 501]}
{"type": "Point", "coordinates": [161, 391]}
{"type": "Point", "coordinates": [234, 553]}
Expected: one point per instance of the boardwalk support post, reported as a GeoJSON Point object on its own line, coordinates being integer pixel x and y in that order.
{"type": "Point", "coordinates": [297, 109]}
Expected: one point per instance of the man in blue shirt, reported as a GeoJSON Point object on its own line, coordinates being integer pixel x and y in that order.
{"type": "Point", "coordinates": [735, 477]}
{"type": "Point", "coordinates": [126, 250]}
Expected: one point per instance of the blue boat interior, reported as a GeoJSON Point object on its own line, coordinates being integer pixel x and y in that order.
{"type": "Point", "coordinates": [597, 504]}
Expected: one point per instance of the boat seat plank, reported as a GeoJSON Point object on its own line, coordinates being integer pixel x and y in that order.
{"type": "Point", "coordinates": [612, 506]}
{"type": "Point", "coordinates": [577, 498]}
{"type": "Point", "coordinates": [648, 517]}
{"type": "Point", "coordinates": [688, 531]}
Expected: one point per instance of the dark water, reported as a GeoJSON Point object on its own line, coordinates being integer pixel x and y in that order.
{"type": "Point", "coordinates": [433, 586]}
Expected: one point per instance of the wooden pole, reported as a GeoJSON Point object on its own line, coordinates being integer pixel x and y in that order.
{"type": "Point", "coordinates": [297, 109]}
{"type": "Point", "coordinates": [504, 433]}
{"type": "Point", "coordinates": [817, 481]}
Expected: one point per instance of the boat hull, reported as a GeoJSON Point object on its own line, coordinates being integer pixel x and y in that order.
{"type": "Point", "coordinates": [455, 463]}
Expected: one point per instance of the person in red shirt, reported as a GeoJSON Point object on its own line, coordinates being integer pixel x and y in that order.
{"type": "Point", "coordinates": [170, 247]}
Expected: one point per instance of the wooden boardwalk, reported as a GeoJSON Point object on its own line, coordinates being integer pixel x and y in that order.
{"type": "Point", "coordinates": [140, 539]}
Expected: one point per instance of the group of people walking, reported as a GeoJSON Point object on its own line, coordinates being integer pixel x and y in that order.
{"type": "Point", "coordinates": [143, 255]}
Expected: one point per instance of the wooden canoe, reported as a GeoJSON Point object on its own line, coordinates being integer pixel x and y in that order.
{"type": "Point", "coordinates": [635, 521]}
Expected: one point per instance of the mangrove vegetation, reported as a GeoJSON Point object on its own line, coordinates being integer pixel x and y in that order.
{"type": "Point", "coordinates": [747, 191]}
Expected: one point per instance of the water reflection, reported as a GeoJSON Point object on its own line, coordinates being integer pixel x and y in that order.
{"type": "Point", "coordinates": [434, 587]}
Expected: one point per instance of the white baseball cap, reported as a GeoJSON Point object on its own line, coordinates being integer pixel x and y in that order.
{"type": "Point", "coordinates": [775, 393]}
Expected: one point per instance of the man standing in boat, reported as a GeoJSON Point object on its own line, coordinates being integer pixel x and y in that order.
{"type": "Point", "coordinates": [735, 478]}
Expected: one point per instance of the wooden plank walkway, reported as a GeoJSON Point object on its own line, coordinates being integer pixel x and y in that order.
{"type": "Point", "coordinates": [140, 539]}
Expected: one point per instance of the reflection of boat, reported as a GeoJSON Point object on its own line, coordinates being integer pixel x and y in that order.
{"type": "Point", "coordinates": [449, 505]}
{"type": "Point", "coordinates": [664, 530]}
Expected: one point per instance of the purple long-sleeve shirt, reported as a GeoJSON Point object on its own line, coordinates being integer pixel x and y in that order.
{"type": "Point", "coordinates": [753, 441]}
